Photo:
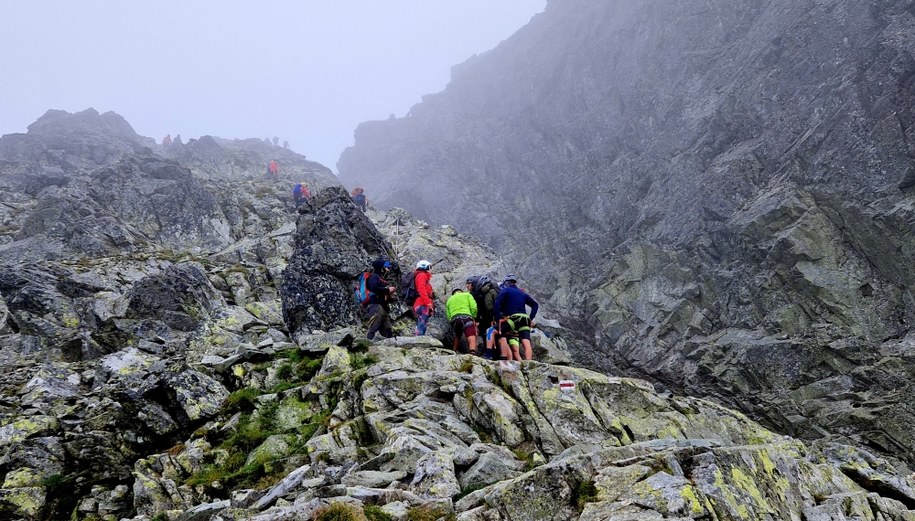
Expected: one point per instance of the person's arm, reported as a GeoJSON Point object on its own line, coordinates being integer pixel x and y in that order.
{"type": "Point", "coordinates": [473, 307]}
{"type": "Point", "coordinates": [448, 309]}
{"type": "Point", "coordinates": [425, 287]}
{"type": "Point", "coordinates": [533, 304]}
{"type": "Point", "coordinates": [377, 285]}
{"type": "Point", "coordinates": [497, 306]}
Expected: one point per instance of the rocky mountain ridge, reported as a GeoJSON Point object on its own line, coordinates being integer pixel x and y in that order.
{"type": "Point", "coordinates": [166, 378]}
{"type": "Point", "coordinates": [718, 192]}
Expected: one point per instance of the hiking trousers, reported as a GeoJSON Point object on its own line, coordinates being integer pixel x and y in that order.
{"type": "Point", "coordinates": [422, 314]}
{"type": "Point", "coordinates": [379, 321]}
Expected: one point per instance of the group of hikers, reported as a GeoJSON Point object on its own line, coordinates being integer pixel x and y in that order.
{"type": "Point", "coordinates": [494, 318]}
{"type": "Point", "coordinates": [167, 141]}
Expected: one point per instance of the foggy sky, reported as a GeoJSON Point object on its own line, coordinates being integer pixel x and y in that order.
{"type": "Point", "coordinates": [307, 71]}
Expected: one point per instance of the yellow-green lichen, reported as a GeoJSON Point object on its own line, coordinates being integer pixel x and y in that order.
{"type": "Point", "coordinates": [696, 508]}
{"type": "Point", "coordinates": [28, 501]}
{"type": "Point", "coordinates": [22, 477]}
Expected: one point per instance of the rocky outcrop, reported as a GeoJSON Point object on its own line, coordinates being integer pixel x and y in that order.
{"type": "Point", "coordinates": [413, 430]}
{"type": "Point", "coordinates": [719, 192]}
{"type": "Point", "coordinates": [141, 294]}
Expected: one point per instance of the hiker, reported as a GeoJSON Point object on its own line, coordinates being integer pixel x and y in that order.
{"type": "Point", "coordinates": [167, 140]}
{"type": "Point", "coordinates": [460, 310]}
{"type": "Point", "coordinates": [484, 291]}
{"type": "Point", "coordinates": [358, 196]}
{"type": "Point", "coordinates": [177, 141]}
{"type": "Point", "coordinates": [286, 145]}
{"type": "Point", "coordinates": [378, 308]}
{"type": "Point", "coordinates": [514, 322]}
{"type": "Point", "coordinates": [300, 194]}
{"type": "Point", "coordinates": [273, 169]}
{"type": "Point", "coordinates": [424, 305]}
{"type": "Point", "coordinates": [490, 352]}
{"type": "Point", "coordinates": [276, 141]}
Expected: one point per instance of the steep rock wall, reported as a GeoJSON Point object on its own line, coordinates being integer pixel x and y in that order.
{"type": "Point", "coordinates": [717, 191]}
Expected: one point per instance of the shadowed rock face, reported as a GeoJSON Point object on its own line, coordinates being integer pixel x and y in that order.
{"type": "Point", "coordinates": [718, 191]}
{"type": "Point", "coordinates": [334, 243]}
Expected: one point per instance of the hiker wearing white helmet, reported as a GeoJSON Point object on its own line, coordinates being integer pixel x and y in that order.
{"type": "Point", "coordinates": [424, 305]}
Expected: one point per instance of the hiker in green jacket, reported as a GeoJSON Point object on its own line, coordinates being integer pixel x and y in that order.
{"type": "Point", "coordinates": [460, 310]}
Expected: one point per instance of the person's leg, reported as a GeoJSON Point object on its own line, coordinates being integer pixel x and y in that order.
{"type": "Point", "coordinates": [524, 334]}
{"type": "Point", "coordinates": [504, 351]}
{"type": "Point", "coordinates": [373, 312]}
{"type": "Point", "coordinates": [504, 333]}
{"type": "Point", "coordinates": [387, 329]}
{"type": "Point", "coordinates": [422, 319]}
{"type": "Point", "coordinates": [456, 330]}
{"type": "Point", "coordinates": [514, 345]}
{"type": "Point", "coordinates": [470, 331]}
{"type": "Point", "coordinates": [528, 350]}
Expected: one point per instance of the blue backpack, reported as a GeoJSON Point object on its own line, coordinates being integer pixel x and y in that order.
{"type": "Point", "coordinates": [361, 291]}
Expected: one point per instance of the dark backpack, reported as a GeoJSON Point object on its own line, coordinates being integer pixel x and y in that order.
{"type": "Point", "coordinates": [479, 283]}
{"type": "Point", "coordinates": [408, 292]}
{"type": "Point", "coordinates": [361, 291]}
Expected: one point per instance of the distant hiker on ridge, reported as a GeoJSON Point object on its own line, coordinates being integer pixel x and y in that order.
{"type": "Point", "coordinates": [359, 198]}
{"type": "Point", "coordinates": [273, 169]}
{"type": "Point", "coordinates": [167, 140]}
{"type": "Point", "coordinates": [300, 194]}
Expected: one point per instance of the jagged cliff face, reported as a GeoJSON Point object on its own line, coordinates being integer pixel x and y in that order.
{"type": "Point", "coordinates": [717, 191]}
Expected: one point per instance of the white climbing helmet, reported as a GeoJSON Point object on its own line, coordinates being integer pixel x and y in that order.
{"type": "Point", "coordinates": [424, 265]}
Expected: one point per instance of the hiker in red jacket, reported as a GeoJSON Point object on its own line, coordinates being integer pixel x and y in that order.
{"type": "Point", "coordinates": [423, 306]}
{"type": "Point", "coordinates": [273, 170]}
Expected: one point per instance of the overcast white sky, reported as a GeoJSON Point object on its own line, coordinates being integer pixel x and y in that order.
{"type": "Point", "coordinates": [307, 71]}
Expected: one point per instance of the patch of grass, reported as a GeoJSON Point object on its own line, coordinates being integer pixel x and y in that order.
{"type": "Point", "coordinates": [283, 386]}
{"type": "Point", "coordinates": [160, 517]}
{"type": "Point", "coordinates": [375, 513]}
{"type": "Point", "coordinates": [339, 512]}
{"type": "Point", "coordinates": [294, 355]}
{"type": "Point", "coordinates": [426, 513]}
{"type": "Point", "coordinates": [362, 360]}
{"type": "Point", "coordinates": [361, 345]}
{"type": "Point", "coordinates": [241, 400]}
{"type": "Point", "coordinates": [526, 457]}
{"type": "Point", "coordinates": [284, 372]}
{"type": "Point", "coordinates": [583, 492]}
{"type": "Point", "coordinates": [253, 429]}
{"type": "Point", "coordinates": [359, 377]}
{"type": "Point", "coordinates": [466, 366]}
{"type": "Point", "coordinates": [307, 369]}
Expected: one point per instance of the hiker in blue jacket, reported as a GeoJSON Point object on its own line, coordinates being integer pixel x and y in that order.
{"type": "Point", "coordinates": [378, 309]}
{"type": "Point", "coordinates": [510, 310]}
